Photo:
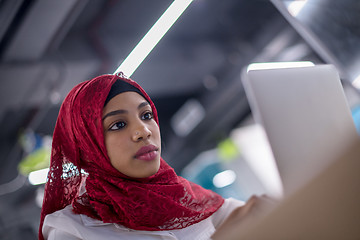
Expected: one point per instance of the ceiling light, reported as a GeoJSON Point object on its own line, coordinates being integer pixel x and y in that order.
{"type": "Point", "coordinates": [272, 65]}
{"type": "Point", "coordinates": [187, 117]}
{"type": "Point", "coordinates": [224, 178]}
{"type": "Point", "coordinates": [356, 82]}
{"type": "Point", "coordinates": [152, 37]}
{"type": "Point", "coordinates": [38, 177]}
{"type": "Point", "coordinates": [296, 6]}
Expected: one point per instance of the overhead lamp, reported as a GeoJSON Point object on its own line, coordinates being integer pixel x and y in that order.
{"type": "Point", "coordinates": [187, 117]}
{"type": "Point", "coordinates": [152, 37]}
{"type": "Point", "coordinates": [356, 82]}
{"type": "Point", "coordinates": [224, 178]}
{"type": "Point", "coordinates": [296, 6]}
{"type": "Point", "coordinates": [38, 177]}
{"type": "Point", "coordinates": [272, 65]}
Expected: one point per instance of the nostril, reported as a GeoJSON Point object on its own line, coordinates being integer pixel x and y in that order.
{"type": "Point", "coordinates": [141, 133]}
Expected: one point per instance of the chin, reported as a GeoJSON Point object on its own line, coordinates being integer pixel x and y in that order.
{"type": "Point", "coordinates": [155, 170]}
{"type": "Point", "coordinates": [148, 173]}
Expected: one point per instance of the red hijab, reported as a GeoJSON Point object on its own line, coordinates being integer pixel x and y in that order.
{"type": "Point", "coordinates": [163, 201]}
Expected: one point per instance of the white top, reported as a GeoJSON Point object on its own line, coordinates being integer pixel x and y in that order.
{"type": "Point", "coordinates": [65, 224]}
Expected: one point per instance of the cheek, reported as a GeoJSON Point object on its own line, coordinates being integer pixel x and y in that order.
{"type": "Point", "coordinates": [156, 134]}
{"type": "Point", "coordinates": [116, 148]}
{"type": "Point", "coordinates": [155, 130]}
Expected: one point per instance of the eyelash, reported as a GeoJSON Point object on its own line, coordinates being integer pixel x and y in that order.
{"type": "Point", "coordinates": [147, 114]}
{"type": "Point", "coordinates": [123, 123]}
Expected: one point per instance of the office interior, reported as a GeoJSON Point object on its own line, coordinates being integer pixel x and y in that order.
{"type": "Point", "coordinates": [193, 75]}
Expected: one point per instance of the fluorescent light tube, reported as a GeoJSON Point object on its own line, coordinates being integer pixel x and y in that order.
{"type": "Point", "coordinates": [152, 37]}
{"type": "Point", "coordinates": [39, 176]}
{"type": "Point", "coordinates": [271, 65]}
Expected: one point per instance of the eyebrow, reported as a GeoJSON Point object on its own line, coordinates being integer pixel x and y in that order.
{"type": "Point", "coordinates": [121, 111]}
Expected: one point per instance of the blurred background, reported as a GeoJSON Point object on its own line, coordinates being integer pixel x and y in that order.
{"type": "Point", "coordinates": [192, 75]}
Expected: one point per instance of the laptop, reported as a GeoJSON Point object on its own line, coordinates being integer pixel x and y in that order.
{"type": "Point", "coordinates": [305, 115]}
{"type": "Point", "coordinates": [325, 208]}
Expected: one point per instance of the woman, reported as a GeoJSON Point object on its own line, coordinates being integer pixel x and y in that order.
{"type": "Point", "coordinates": [107, 178]}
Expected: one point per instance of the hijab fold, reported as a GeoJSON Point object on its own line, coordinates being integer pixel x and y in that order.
{"type": "Point", "coordinates": [163, 201]}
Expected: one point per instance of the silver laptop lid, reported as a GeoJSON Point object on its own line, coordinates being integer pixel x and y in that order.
{"type": "Point", "coordinates": [305, 115]}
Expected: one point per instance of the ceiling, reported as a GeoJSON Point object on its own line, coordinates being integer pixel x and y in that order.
{"type": "Point", "coordinates": [48, 46]}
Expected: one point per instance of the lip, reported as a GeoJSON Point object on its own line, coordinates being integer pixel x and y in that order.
{"type": "Point", "coordinates": [147, 153]}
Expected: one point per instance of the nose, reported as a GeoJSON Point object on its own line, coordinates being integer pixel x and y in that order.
{"type": "Point", "coordinates": [141, 132]}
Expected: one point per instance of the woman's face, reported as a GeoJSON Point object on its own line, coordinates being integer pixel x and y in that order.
{"type": "Point", "coordinates": [132, 137]}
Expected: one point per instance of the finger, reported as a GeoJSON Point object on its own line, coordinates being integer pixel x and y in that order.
{"type": "Point", "coordinates": [269, 198]}
{"type": "Point", "coordinates": [250, 206]}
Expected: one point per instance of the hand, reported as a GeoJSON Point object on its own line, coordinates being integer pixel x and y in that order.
{"type": "Point", "coordinates": [255, 208]}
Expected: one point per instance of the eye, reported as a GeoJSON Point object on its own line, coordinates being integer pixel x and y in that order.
{"type": "Point", "coordinates": [117, 126]}
{"type": "Point", "coordinates": [147, 116]}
